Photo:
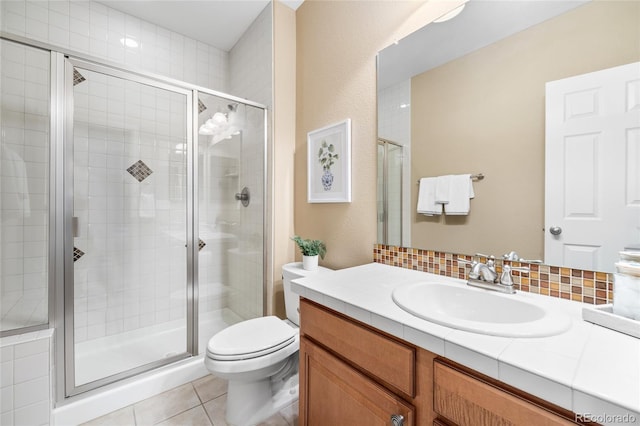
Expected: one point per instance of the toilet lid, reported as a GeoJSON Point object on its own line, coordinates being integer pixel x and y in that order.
{"type": "Point", "coordinates": [250, 339]}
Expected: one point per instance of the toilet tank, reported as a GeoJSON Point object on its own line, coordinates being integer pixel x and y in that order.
{"type": "Point", "coordinates": [291, 271]}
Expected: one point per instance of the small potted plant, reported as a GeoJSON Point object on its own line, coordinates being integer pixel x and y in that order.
{"type": "Point", "coordinates": [310, 249]}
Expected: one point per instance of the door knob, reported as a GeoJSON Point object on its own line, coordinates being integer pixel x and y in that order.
{"type": "Point", "coordinates": [555, 230]}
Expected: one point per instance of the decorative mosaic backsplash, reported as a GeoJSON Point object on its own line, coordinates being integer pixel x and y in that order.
{"type": "Point", "coordinates": [566, 283]}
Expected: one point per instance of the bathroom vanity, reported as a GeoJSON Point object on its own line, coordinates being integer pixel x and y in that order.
{"type": "Point", "coordinates": [363, 360]}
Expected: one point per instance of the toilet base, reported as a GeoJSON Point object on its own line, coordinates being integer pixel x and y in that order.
{"type": "Point", "coordinates": [249, 403]}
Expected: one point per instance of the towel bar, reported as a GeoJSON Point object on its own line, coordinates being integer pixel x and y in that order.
{"type": "Point", "coordinates": [475, 178]}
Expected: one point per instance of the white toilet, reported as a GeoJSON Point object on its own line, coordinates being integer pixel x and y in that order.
{"type": "Point", "coordinates": [259, 358]}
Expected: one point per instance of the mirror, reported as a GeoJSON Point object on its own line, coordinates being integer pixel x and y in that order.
{"type": "Point", "coordinates": [468, 96]}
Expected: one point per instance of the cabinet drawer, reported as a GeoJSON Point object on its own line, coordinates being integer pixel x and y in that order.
{"type": "Point", "coordinates": [390, 361]}
{"type": "Point", "coordinates": [468, 401]}
{"type": "Point", "coordinates": [334, 393]}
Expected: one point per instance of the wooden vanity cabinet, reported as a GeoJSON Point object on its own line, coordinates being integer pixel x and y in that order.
{"type": "Point", "coordinates": [353, 374]}
{"type": "Point", "coordinates": [337, 394]}
{"type": "Point", "coordinates": [465, 398]}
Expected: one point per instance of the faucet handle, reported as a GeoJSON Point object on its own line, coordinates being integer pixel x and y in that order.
{"type": "Point", "coordinates": [475, 267]}
{"type": "Point", "coordinates": [512, 255]}
{"type": "Point", "coordinates": [506, 278]}
{"type": "Point", "coordinates": [467, 262]}
{"type": "Point", "coordinates": [488, 256]}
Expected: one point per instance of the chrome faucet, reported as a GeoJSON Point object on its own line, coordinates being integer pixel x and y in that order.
{"type": "Point", "coordinates": [482, 271]}
{"type": "Point", "coordinates": [488, 271]}
{"type": "Point", "coordinates": [484, 275]}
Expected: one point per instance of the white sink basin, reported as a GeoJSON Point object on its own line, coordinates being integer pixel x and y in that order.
{"type": "Point", "coordinates": [479, 311]}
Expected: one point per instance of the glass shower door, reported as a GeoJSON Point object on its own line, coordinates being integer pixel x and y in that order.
{"type": "Point", "coordinates": [231, 153]}
{"type": "Point", "coordinates": [127, 196]}
{"type": "Point", "coordinates": [24, 194]}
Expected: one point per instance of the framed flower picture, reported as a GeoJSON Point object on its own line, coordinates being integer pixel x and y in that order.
{"type": "Point", "coordinates": [329, 164]}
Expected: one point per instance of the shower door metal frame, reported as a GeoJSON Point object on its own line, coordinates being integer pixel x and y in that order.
{"type": "Point", "coordinates": [57, 222]}
{"type": "Point", "coordinates": [67, 189]}
{"type": "Point", "coordinates": [51, 248]}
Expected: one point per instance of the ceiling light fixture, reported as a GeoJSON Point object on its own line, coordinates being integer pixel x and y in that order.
{"type": "Point", "coordinates": [450, 15]}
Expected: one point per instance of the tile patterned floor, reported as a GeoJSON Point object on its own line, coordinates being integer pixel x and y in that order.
{"type": "Point", "coordinates": [199, 403]}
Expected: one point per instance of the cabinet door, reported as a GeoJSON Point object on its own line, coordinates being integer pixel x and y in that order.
{"type": "Point", "coordinates": [468, 401]}
{"type": "Point", "coordinates": [333, 393]}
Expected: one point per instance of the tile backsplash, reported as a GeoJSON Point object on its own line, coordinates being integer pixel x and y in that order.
{"type": "Point", "coordinates": [566, 283]}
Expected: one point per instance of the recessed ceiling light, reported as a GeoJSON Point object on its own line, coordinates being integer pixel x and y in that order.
{"type": "Point", "coordinates": [129, 42]}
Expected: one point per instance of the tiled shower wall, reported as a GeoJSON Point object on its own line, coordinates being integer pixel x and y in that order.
{"type": "Point", "coordinates": [394, 112]}
{"type": "Point", "coordinates": [25, 378]}
{"type": "Point", "coordinates": [130, 201]}
{"type": "Point", "coordinates": [24, 124]}
{"type": "Point", "coordinates": [94, 29]}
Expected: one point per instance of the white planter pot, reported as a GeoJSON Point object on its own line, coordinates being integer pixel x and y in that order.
{"type": "Point", "coordinates": [310, 263]}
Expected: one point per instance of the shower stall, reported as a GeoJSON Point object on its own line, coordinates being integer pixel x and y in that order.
{"type": "Point", "coordinates": [132, 213]}
{"type": "Point", "coordinates": [390, 192]}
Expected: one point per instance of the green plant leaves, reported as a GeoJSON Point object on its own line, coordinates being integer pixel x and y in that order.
{"type": "Point", "coordinates": [326, 155]}
{"type": "Point", "coordinates": [310, 247]}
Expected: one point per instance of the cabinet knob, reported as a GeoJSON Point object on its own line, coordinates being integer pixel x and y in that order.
{"type": "Point", "coordinates": [397, 420]}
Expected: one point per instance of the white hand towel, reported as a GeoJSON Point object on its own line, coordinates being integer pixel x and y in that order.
{"type": "Point", "coordinates": [460, 192]}
{"type": "Point", "coordinates": [443, 184]}
{"type": "Point", "coordinates": [427, 198]}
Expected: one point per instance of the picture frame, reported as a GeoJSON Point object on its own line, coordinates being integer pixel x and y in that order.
{"type": "Point", "coordinates": [329, 164]}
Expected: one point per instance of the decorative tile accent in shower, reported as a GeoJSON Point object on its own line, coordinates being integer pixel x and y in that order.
{"type": "Point", "coordinates": [77, 77]}
{"type": "Point", "coordinates": [201, 244]}
{"type": "Point", "coordinates": [566, 283]}
{"type": "Point", "coordinates": [77, 254]}
{"type": "Point", "coordinates": [201, 106]}
{"type": "Point", "coordinates": [139, 170]}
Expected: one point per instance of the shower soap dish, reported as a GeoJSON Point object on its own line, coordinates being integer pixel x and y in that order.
{"type": "Point", "coordinates": [603, 315]}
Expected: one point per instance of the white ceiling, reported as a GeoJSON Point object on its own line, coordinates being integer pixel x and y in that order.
{"type": "Point", "coordinates": [219, 23]}
{"type": "Point", "coordinates": [480, 24]}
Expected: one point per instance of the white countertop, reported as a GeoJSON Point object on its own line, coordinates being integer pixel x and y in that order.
{"type": "Point", "coordinates": [588, 369]}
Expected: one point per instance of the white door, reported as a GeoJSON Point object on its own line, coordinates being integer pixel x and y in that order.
{"type": "Point", "coordinates": [592, 180]}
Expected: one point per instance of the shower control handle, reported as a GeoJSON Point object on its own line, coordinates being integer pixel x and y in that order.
{"type": "Point", "coordinates": [244, 196]}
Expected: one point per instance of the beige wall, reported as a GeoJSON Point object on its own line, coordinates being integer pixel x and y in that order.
{"type": "Point", "coordinates": [485, 113]}
{"type": "Point", "coordinates": [337, 43]}
{"type": "Point", "coordinates": [282, 153]}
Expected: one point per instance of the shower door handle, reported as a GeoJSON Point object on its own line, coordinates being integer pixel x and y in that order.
{"type": "Point", "coordinates": [75, 227]}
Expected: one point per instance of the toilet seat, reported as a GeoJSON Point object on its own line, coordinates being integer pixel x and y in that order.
{"type": "Point", "coordinates": [251, 339]}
